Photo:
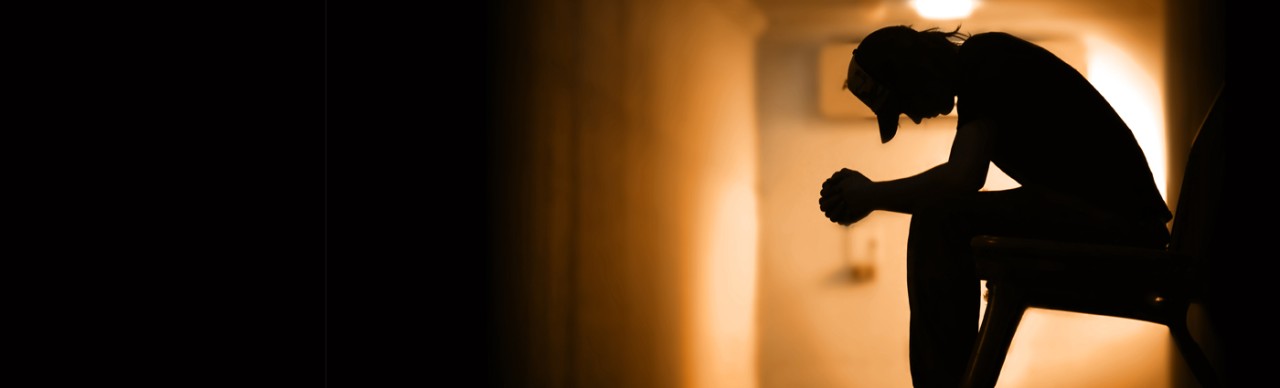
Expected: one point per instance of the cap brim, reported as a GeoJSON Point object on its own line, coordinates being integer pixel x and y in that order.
{"type": "Point", "coordinates": [888, 126]}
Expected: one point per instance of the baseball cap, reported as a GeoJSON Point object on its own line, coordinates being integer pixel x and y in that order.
{"type": "Point", "coordinates": [875, 95]}
{"type": "Point", "coordinates": [876, 56]}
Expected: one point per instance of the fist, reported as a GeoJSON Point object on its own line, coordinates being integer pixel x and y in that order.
{"type": "Point", "coordinates": [842, 197]}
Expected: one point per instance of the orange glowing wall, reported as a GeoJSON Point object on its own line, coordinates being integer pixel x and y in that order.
{"type": "Point", "coordinates": [625, 193]}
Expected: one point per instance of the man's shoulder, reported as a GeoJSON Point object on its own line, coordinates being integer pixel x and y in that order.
{"type": "Point", "coordinates": [1000, 51]}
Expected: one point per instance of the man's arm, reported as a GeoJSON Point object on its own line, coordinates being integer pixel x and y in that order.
{"type": "Point", "coordinates": [964, 171]}
{"type": "Point", "coordinates": [848, 196]}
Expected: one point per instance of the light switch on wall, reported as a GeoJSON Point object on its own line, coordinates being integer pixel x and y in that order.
{"type": "Point", "coordinates": [861, 250]}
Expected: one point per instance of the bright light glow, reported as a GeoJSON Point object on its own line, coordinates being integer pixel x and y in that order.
{"type": "Point", "coordinates": [726, 292]}
{"type": "Point", "coordinates": [943, 9]}
{"type": "Point", "coordinates": [718, 155]}
{"type": "Point", "coordinates": [1135, 95]}
{"type": "Point", "coordinates": [1064, 349]}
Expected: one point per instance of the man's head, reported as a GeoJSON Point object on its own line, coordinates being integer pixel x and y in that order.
{"type": "Point", "coordinates": [897, 70]}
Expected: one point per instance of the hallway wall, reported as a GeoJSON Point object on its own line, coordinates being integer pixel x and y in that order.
{"type": "Point", "coordinates": [625, 189]}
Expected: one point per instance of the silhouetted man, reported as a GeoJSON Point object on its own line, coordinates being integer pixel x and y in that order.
{"type": "Point", "coordinates": [1082, 174]}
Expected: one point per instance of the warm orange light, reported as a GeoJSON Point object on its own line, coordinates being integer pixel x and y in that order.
{"type": "Point", "coordinates": [1059, 348]}
{"type": "Point", "coordinates": [1135, 95]}
{"type": "Point", "coordinates": [724, 294]}
{"type": "Point", "coordinates": [944, 9]}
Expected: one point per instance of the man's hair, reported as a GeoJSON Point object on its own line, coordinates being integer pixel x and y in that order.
{"type": "Point", "coordinates": [955, 37]}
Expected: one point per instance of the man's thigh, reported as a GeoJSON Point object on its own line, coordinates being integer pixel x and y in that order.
{"type": "Point", "coordinates": [1030, 213]}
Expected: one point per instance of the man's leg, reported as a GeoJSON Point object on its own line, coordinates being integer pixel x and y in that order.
{"type": "Point", "coordinates": [944, 297]}
{"type": "Point", "coordinates": [942, 286]}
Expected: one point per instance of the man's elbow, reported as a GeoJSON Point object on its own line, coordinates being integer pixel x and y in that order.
{"type": "Point", "coordinates": [970, 183]}
{"type": "Point", "coordinates": [964, 181]}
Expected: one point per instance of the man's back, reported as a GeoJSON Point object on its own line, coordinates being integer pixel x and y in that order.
{"type": "Point", "coordinates": [1053, 129]}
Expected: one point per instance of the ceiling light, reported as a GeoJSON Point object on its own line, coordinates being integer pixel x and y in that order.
{"type": "Point", "coordinates": [943, 9]}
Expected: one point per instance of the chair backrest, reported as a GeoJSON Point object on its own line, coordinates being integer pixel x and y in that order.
{"type": "Point", "coordinates": [1196, 219]}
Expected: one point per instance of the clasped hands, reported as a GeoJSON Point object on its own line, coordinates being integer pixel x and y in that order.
{"type": "Point", "coordinates": [843, 197]}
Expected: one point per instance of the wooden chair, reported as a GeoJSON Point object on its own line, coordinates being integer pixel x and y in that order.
{"type": "Point", "coordinates": [1145, 284]}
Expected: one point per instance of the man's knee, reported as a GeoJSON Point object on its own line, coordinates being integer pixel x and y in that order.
{"type": "Point", "coordinates": [939, 236]}
{"type": "Point", "coordinates": [939, 216]}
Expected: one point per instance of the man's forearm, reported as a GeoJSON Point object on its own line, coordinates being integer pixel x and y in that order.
{"type": "Point", "coordinates": [905, 195]}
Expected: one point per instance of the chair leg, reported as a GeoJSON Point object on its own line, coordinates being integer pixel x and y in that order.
{"type": "Point", "coordinates": [1192, 353]}
{"type": "Point", "coordinates": [1004, 312]}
